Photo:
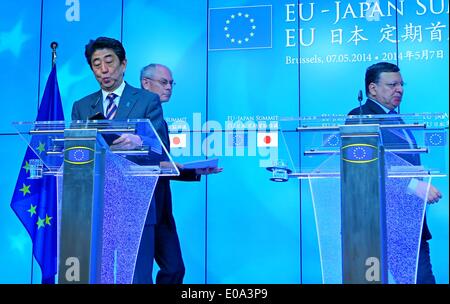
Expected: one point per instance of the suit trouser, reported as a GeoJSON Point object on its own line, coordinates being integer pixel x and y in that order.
{"type": "Point", "coordinates": [424, 271]}
{"type": "Point", "coordinates": [144, 262]}
{"type": "Point", "coordinates": [168, 255]}
{"type": "Point", "coordinates": [159, 242]}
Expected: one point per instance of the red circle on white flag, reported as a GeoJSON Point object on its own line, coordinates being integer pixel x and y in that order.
{"type": "Point", "coordinates": [176, 140]}
{"type": "Point", "coordinates": [267, 139]}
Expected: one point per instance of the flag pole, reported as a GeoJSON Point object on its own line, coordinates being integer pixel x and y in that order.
{"type": "Point", "coordinates": [53, 46]}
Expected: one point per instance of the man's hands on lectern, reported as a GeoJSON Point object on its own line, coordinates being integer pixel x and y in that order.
{"type": "Point", "coordinates": [434, 195]}
{"type": "Point", "coordinates": [127, 141]}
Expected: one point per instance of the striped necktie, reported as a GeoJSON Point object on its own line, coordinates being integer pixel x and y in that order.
{"type": "Point", "coordinates": [111, 108]}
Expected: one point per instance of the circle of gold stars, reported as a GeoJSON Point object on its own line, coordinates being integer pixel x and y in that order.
{"type": "Point", "coordinates": [333, 140]}
{"type": "Point", "coordinates": [78, 155]}
{"type": "Point", "coordinates": [233, 18]}
{"type": "Point", "coordinates": [359, 153]}
{"type": "Point", "coordinates": [435, 139]}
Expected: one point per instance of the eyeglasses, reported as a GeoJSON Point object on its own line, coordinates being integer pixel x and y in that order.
{"type": "Point", "coordinates": [163, 82]}
{"type": "Point", "coordinates": [393, 85]}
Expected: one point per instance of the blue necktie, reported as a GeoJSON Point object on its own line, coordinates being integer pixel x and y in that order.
{"type": "Point", "coordinates": [111, 109]}
{"type": "Point", "coordinates": [392, 112]}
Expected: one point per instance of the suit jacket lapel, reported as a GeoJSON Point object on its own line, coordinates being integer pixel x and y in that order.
{"type": "Point", "coordinates": [97, 103]}
{"type": "Point", "coordinates": [127, 102]}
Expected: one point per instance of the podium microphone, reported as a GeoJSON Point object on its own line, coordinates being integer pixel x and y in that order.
{"type": "Point", "coordinates": [360, 98]}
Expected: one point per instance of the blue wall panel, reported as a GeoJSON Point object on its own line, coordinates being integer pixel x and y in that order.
{"type": "Point", "coordinates": [253, 224]}
{"type": "Point", "coordinates": [19, 54]}
{"type": "Point", "coordinates": [165, 32]}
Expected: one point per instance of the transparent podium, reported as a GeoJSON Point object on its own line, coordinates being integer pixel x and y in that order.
{"type": "Point", "coordinates": [368, 177]}
{"type": "Point", "coordinates": [104, 194]}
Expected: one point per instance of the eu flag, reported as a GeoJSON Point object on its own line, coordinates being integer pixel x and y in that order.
{"type": "Point", "coordinates": [331, 140]}
{"type": "Point", "coordinates": [359, 153]}
{"type": "Point", "coordinates": [34, 200]}
{"type": "Point", "coordinates": [436, 138]}
{"type": "Point", "coordinates": [244, 27]}
{"type": "Point", "coordinates": [238, 139]}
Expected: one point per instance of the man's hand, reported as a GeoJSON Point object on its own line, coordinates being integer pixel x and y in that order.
{"type": "Point", "coordinates": [168, 165]}
{"type": "Point", "coordinates": [433, 193]}
{"type": "Point", "coordinates": [207, 171]}
{"type": "Point", "coordinates": [127, 141]}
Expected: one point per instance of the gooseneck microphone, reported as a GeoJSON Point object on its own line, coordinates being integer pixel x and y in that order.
{"type": "Point", "coordinates": [360, 98]}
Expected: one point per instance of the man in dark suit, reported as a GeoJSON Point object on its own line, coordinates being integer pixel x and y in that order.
{"type": "Point", "coordinates": [158, 79]}
{"type": "Point", "coordinates": [107, 59]}
{"type": "Point", "coordinates": [384, 91]}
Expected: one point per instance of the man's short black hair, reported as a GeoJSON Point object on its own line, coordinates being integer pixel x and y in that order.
{"type": "Point", "coordinates": [104, 43]}
{"type": "Point", "coordinates": [373, 72]}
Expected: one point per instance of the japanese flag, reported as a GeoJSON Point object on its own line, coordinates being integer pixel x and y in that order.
{"type": "Point", "coordinates": [267, 139]}
{"type": "Point", "coordinates": [177, 140]}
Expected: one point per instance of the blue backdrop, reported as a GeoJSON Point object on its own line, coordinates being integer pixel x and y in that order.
{"type": "Point", "coordinates": [235, 62]}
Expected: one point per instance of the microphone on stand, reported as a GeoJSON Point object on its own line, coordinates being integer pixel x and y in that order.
{"type": "Point", "coordinates": [360, 98]}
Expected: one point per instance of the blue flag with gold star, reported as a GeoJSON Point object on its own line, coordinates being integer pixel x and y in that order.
{"type": "Point", "coordinates": [34, 200]}
{"type": "Point", "coordinates": [243, 27]}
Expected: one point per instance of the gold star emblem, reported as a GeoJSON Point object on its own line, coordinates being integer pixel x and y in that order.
{"type": "Point", "coordinates": [40, 222]}
{"type": "Point", "coordinates": [47, 219]}
{"type": "Point", "coordinates": [25, 189]}
{"type": "Point", "coordinates": [26, 167]}
{"type": "Point", "coordinates": [41, 147]}
{"type": "Point", "coordinates": [32, 210]}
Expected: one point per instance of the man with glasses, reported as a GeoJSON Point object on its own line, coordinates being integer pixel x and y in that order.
{"type": "Point", "coordinates": [157, 78]}
{"type": "Point", "coordinates": [384, 91]}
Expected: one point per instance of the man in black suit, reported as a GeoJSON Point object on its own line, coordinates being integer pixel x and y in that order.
{"type": "Point", "coordinates": [107, 59]}
{"type": "Point", "coordinates": [384, 91]}
{"type": "Point", "coordinates": [157, 78]}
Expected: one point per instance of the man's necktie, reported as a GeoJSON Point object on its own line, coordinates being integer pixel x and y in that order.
{"type": "Point", "coordinates": [392, 112]}
{"type": "Point", "coordinates": [111, 108]}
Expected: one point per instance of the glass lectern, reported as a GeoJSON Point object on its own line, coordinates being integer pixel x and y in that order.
{"type": "Point", "coordinates": [364, 174]}
{"type": "Point", "coordinates": [104, 194]}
